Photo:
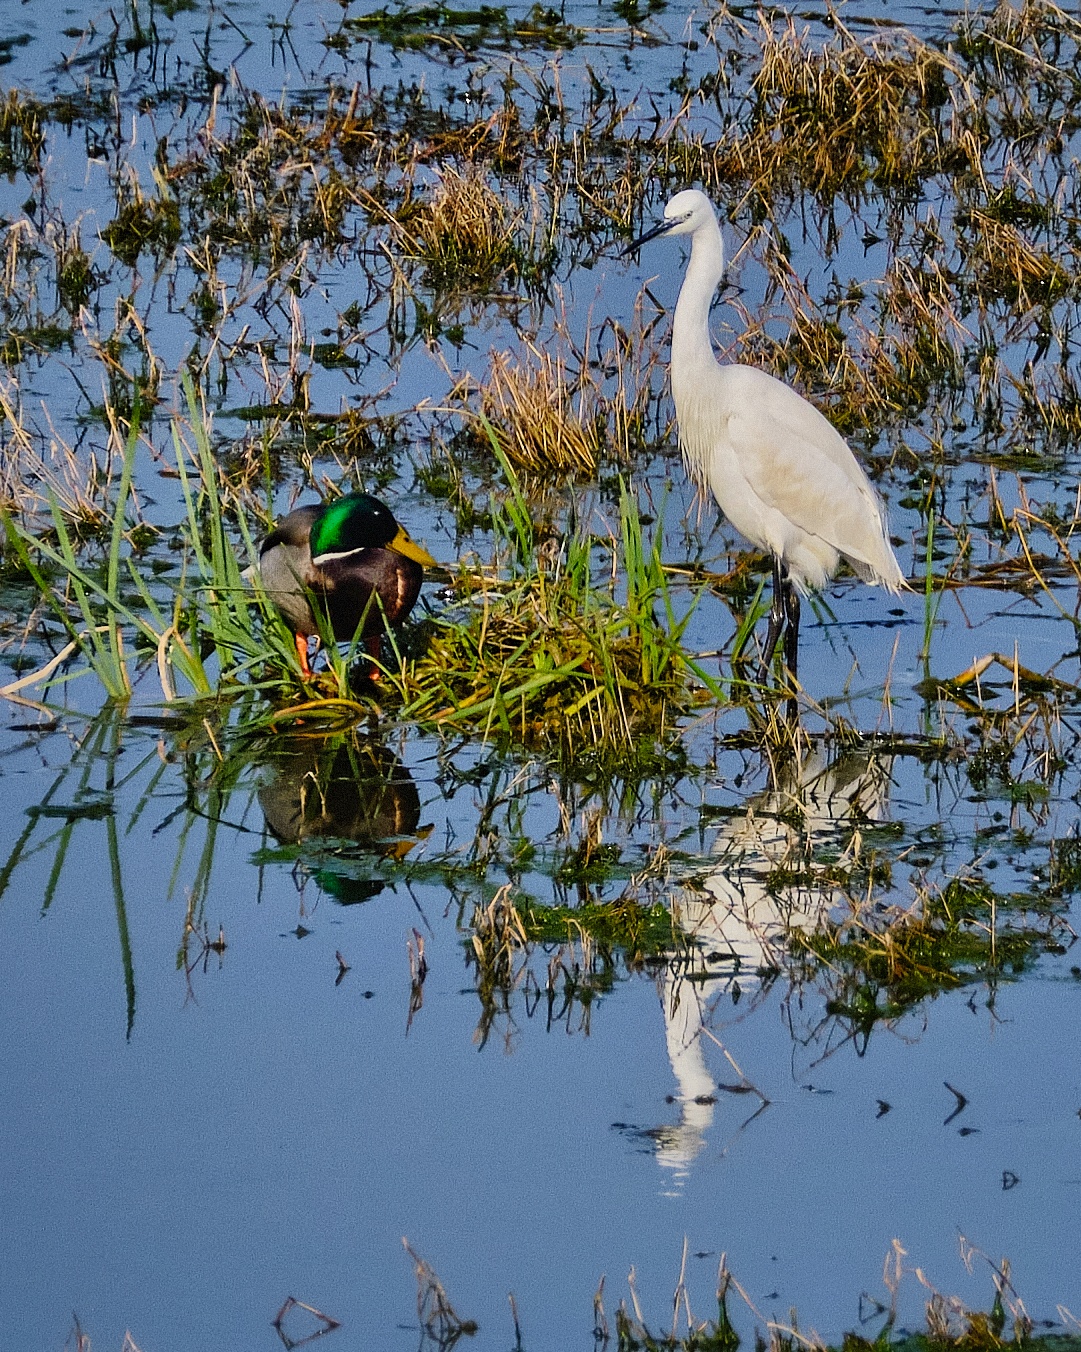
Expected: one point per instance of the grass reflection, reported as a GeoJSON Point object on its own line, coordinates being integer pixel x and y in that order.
{"type": "Point", "coordinates": [559, 886]}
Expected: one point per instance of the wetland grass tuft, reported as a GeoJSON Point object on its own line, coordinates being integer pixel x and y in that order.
{"type": "Point", "coordinates": [846, 112]}
{"type": "Point", "coordinates": [883, 962]}
{"type": "Point", "coordinates": [527, 410]}
{"type": "Point", "coordinates": [949, 1323]}
{"type": "Point", "coordinates": [461, 29]}
{"type": "Point", "coordinates": [462, 233]}
{"type": "Point", "coordinates": [582, 648]}
{"type": "Point", "coordinates": [144, 224]}
{"type": "Point", "coordinates": [22, 134]}
{"type": "Point", "coordinates": [95, 597]}
{"type": "Point", "coordinates": [210, 611]}
{"type": "Point", "coordinates": [1004, 264]}
{"type": "Point", "coordinates": [76, 277]}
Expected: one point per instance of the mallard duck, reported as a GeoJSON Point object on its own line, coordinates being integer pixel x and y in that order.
{"type": "Point", "coordinates": [353, 557]}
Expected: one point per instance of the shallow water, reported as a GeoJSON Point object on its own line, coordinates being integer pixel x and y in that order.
{"type": "Point", "coordinates": [264, 1131]}
{"type": "Point", "coordinates": [195, 1130]}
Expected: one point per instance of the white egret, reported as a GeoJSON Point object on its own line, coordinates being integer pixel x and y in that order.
{"type": "Point", "coordinates": [743, 919]}
{"type": "Point", "coordinates": [781, 473]}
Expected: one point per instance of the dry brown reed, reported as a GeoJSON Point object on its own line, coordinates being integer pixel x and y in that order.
{"type": "Point", "coordinates": [499, 937]}
{"type": "Point", "coordinates": [529, 403]}
{"type": "Point", "coordinates": [31, 475]}
{"type": "Point", "coordinates": [847, 111]}
{"type": "Point", "coordinates": [438, 1317]}
{"type": "Point", "coordinates": [463, 232]}
{"type": "Point", "coordinates": [1006, 264]}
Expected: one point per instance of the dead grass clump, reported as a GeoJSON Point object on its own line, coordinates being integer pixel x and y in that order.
{"type": "Point", "coordinates": [539, 426]}
{"type": "Point", "coordinates": [1048, 408]}
{"type": "Point", "coordinates": [22, 135]}
{"type": "Point", "coordinates": [497, 139]}
{"type": "Point", "coordinates": [918, 302]}
{"type": "Point", "coordinates": [77, 486]}
{"type": "Point", "coordinates": [1005, 264]}
{"type": "Point", "coordinates": [143, 224]}
{"type": "Point", "coordinates": [1016, 39]}
{"type": "Point", "coordinates": [463, 233]}
{"type": "Point", "coordinates": [847, 112]}
{"type": "Point", "coordinates": [885, 961]}
{"type": "Point", "coordinates": [498, 935]}
{"type": "Point", "coordinates": [15, 443]}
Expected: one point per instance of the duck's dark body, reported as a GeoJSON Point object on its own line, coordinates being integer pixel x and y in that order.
{"type": "Point", "coordinates": [353, 559]}
{"type": "Point", "coordinates": [344, 585]}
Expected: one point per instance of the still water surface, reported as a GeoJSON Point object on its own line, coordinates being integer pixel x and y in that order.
{"type": "Point", "coordinates": [264, 1131]}
{"type": "Point", "coordinates": [187, 1142]}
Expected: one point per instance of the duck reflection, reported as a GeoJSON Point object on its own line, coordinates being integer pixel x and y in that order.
{"type": "Point", "coordinates": [355, 790]}
{"type": "Point", "coordinates": [781, 863]}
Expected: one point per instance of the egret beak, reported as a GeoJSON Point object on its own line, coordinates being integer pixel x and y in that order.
{"type": "Point", "coordinates": [405, 545]}
{"type": "Point", "coordinates": [661, 228]}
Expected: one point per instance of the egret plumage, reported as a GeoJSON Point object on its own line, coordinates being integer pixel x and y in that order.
{"type": "Point", "coordinates": [780, 471]}
{"type": "Point", "coordinates": [766, 890]}
{"type": "Point", "coordinates": [352, 560]}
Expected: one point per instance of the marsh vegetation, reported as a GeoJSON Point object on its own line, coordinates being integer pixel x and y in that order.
{"type": "Point", "coordinates": [246, 264]}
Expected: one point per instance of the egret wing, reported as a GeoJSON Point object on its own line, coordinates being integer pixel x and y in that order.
{"type": "Point", "coordinates": [797, 478]}
{"type": "Point", "coordinates": [781, 413]}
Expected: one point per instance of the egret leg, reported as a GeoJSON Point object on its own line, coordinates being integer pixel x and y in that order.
{"type": "Point", "coordinates": [777, 615]}
{"type": "Point", "coordinates": [791, 637]}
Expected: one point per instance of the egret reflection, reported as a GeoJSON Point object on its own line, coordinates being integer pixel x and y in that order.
{"type": "Point", "coordinates": [781, 866]}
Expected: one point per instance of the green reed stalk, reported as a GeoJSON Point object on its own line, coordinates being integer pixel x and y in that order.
{"type": "Point", "coordinates": [101, 607]}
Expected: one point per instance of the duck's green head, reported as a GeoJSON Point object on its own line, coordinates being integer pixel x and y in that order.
{"type": "Point", "coordinates": [359, 521]}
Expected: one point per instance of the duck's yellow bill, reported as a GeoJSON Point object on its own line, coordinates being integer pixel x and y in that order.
{"type": "Point", "coordinates": [404, 544]}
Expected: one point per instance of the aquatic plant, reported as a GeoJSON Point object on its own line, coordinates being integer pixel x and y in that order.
{"type": "Point", "coordinates": [545, 653]}
{"type": "Point", "coordinates": [218, 614]}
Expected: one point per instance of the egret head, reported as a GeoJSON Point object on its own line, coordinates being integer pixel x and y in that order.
{"type": "Point", "coordinates": [685, 212]}
{"type": "Point", "coordinates": [683, 215]}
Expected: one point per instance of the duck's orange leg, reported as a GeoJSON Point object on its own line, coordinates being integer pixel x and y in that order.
{"type": "Point", "coordinates": [375, 650]}
{"type": "Point", "coordinates": [301, 641]}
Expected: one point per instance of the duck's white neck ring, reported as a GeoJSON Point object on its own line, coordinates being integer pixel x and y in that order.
{"type": "Point", "coordinates": [332, 556]}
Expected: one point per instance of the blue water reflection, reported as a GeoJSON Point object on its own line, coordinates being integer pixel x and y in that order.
{"type": "Point", "coordinates": [265, 1130]}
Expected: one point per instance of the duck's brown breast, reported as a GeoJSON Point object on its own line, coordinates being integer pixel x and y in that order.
{"type": "Point", "coordinates": [349, 584]}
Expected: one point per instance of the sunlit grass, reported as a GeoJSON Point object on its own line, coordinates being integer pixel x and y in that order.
{"type": "Point", "coordinates": [108, 612]}
{"type": "Point", "coordinates": [555, 650]}
{"type": "Point", "coordinates": [580, 647]}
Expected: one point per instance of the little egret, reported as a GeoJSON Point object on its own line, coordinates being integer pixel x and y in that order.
{"type": "Point", "coordinates": [781, 473]}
